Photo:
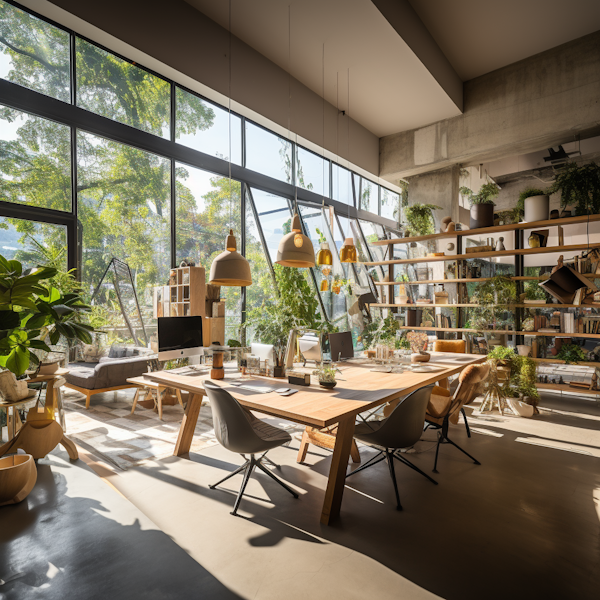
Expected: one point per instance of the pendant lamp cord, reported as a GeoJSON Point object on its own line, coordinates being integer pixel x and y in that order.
{"type": "Point", "coordinates": [348, 149]}
{"type": "Point", "coordinates": [229, 95]}
{"type": "Point", "coordinates": [292, 175]}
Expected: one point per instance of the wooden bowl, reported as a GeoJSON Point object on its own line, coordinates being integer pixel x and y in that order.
{"type": "Point", "coordinates": [18, 475]}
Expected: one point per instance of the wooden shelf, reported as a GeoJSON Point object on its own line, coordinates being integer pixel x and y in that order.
{"type": "Point", "coordinates": [488, 230]}
{"type": "Point", "coordinates": [490, 254]}
{"type": "Point", "coordinates": [562, 362]}
{"type": "Point", "coordinates": [421, 305]}
{"type": "Point", "coordinates": [566, 388]}
{"type": "Point", "coordinates": [447, 329]}
{"type": "Point", "coordinates": [550, 305]}
{"type": "Point", "coordinates": [426, 281]}
{"type": "Point", "coordinates": [590, 336]}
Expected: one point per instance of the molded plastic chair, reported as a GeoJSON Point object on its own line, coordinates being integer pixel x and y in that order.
{"type": "Point", "coordinates": [238, 430]}
{"type": "Point", "coordinates": [402, 429]}
{"type": "Point", "coordinates": [444, 409]}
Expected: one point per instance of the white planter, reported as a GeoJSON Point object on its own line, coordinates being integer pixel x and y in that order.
{"type": "Point", "coordinates": [537, 208]}
{"type": "Point", "coordinates": [523, 350]}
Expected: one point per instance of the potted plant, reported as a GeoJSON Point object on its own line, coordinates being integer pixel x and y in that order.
{"type": "Point", "coordinates": [482, 205]}
{"type": "Point", "coordinates": [534, 294]}
{"type": "Point", "coordinates": [326, 374]}
{"type": "Point", "coordinates": [579, 187]}
{"type": "Point", "coordinates": [420, 218]}
{"type": "Point", "coordinates": [571, 354]}
{"type": "Point", "coordinates": [533, 205]}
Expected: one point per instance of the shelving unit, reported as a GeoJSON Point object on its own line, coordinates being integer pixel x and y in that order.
{"type": "Point", "coordinates": [519, 253]}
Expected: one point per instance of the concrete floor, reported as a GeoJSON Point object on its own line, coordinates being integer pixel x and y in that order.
{"type": "Point", "coordinates": [524, 524]}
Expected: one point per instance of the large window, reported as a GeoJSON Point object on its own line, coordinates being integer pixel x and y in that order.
{"type": "Point", "coordinates": [35, 161]}
{"type": "Point", "coordinates": [390, 205]}
{"type": "Point", "coordinates": [206, 127]}
{"type": "Point", "coordinates": [274, 218]}
{"type": "Point", "coordinates": [34, 53]}
{"type": "Point", "coordinates": [33, 244]}
{"type": "Point", "coordinates": [268, 154]}
{"type": "Point", "coordinates": [342, 186]}
{"type": "Point", "coordinates": [124, 209]}
{"type": "Point", "coordinates": [312, 172]}
{"type": "Point", "coordinates": [115, 88]}
{"type": "Point", "coordinates": [369, 195]}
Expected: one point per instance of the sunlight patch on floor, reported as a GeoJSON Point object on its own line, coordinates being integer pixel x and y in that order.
{"type": "Point", "coordinates": [557, 446]}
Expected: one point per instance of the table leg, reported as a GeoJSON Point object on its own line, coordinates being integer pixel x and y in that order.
{"type": "Point", "coordinates": [159, 395]}
{"type": "Point", "coordinates": [337, 471]}
{"type": "Point", "coordinates": [135, 399]}
{"type": "Point", "coordinates": [49, 402]}
{"type": "Point", "coordinates": [179, 398]}
{"type": "Point", "coordinates": [188, 425]}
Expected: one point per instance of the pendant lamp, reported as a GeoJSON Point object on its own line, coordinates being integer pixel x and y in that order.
{"type": "Point", "coordinates": [324, 256]}
{"type": "Point", "coordinates": [230, 268]}
{"type": "Point", "coordinates": [295, 249]}
{"type": "Point", "coordinates": [348, 251]}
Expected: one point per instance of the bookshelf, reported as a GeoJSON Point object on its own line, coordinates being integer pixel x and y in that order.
{"type": "Point", "coordinates": [447, 322]}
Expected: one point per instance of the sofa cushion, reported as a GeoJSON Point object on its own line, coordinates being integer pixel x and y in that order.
{"type": "Point", "coordinates": [81, 377]}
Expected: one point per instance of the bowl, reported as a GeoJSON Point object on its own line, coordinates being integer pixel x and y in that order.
{"type": "Point", "coordinates": [328, 384]}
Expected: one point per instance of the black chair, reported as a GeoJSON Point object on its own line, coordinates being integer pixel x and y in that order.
{"type": "Point", "coordinates": [402, 429]}
{"type": "Point", "coordinates": [238, 430]}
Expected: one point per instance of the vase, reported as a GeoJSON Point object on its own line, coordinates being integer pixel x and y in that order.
{"type": "Point", "coordinates": [481, 215]}
{"type": "Point", "coordinates": [537, 208]}
{"type": "Point", "coordinates": [523, 350]}
{"type": "Point", "coordinates": [328, 384]}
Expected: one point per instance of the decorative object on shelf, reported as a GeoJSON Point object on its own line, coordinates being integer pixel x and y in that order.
{"type": "Point", "coordinates": [230, 268]}
{"type": "Point", "coordinates": [444, 224]}
{"type": "Point", "coordinates": [579, 187]}
{"type": "Point", "coordinates": [187, 263]}
{"type": "Point", "coordinates": [477, 249]}
{"type": "Point", "coordinates": [326, 374]}
{"type": "Point", "coordinates": [571, 354]}
{"type": "Point", "coordinates": [450, 247]}
{"type": "Point", "coordinates": [524, 350]}
{"type": "Point", "coordinates": [423, 273]}
{"type": "Point", "coordinates": [482, 205]}
{"type": "Point", "coordinates": [500, 244]}
{"type": "Point", "coordinates": [533, 205]}
{"type": "Point", "coordinates": [402, 299]}
{"type": "Point", "coordinates": [441, 297]}
{"type": "Point", "coordinates": [295, 249]}
{"type": "Point", "coordinates": [554, 214]}
{"type": "Point", "coordinates": [539, 238]}
{"type": "Point", "coordinates": [565, 213]}
{"type": "Point", "coordinates": [420, 218]}
{"type": "Point", "coordinates": [564, 283]}
{"type": "Point", "coordinates": [348, 251]}
{"type": "Point", "coordinates": [18, 475]}
{"type": "Point", "coordinates": [432, 254]}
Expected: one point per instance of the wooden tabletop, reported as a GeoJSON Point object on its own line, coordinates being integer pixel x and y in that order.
{"type": "Point", "coordinates": [48, 377]}
{"type": "Point", "coordinates": [358, 389]}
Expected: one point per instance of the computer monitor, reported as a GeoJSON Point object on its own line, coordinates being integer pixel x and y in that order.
{"type": "Point", "coordinates": [264, 352]}
{"type": "Point", "coordinates": [179, 337]}
{"type": "Point", "coordinates": [341, 345]}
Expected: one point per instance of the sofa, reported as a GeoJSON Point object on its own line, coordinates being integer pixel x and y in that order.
{"type": "Point", "coordinates": [110, 373]}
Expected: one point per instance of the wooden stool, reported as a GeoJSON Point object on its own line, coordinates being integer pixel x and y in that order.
{"type": "Point", "coordinates": [323, 438]}
{"type": "Point", "coordinates": [154, 390]}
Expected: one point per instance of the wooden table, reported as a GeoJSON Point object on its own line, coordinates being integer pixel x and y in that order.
{"type": "Point", "coordinates": [359, 389]}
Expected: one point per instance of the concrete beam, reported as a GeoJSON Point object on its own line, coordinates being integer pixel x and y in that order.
{"type": "Point", "coordinates": [404, 19]}
{"type": "Point", "coordinates": [547, 99]}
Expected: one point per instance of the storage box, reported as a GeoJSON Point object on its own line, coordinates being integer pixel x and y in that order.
{"type": "Point", "coordinates": [296, 378]}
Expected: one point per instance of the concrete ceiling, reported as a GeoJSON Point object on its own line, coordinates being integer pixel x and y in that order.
{"type": "Point", "coordinates": [390, 88]}
{"type": "Point", "coordinates": [479, 36]}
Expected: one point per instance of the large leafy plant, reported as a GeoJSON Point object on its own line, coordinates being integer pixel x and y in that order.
{"type": "Point", "coordinates": [419, 218]}
{"type": "Point", "coordinates": [32, 315]}
{"type": "Point", "coordinates": [579, 186]}
{"type": "Point", "coordinates": [493, 299]}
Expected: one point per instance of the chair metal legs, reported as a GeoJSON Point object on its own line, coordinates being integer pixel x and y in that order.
{"type": "Point", "coordinates": [407, 462]}
{"type": "Point", "coordinates": [444, 439]}
{"type": "Point", "coordinates": [373, 461]}
{"type": "Point", "coordinates": [390, 460]}
{"type": "Point", "coordinates": [247, 468]}
{"type": "Point", "coordinates": [464, 414]}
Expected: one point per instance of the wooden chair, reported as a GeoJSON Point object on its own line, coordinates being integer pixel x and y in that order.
{"type": "Point", "coordinates": [323, 438]}
{"type": "Point", "coordinates": [444, 408]}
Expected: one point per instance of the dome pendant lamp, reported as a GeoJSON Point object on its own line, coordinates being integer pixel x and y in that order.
{"type": "Point", "coordinates": [295, 249]}
{"type": "Point", "coordinates": [230, 268]}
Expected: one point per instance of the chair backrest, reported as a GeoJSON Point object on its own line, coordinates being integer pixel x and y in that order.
{"type": "Point", "coordinates": [457, 346]}
{"type": "Point", "coordinates": [232, 426]}
{"type": "Point", "coordinates": [404, 427]}
{"type": "Point", "coordinates": [468, 384]}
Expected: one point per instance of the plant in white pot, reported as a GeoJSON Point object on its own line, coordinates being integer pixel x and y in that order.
{"type": "Point", "coordinates": [482, 204]}
{"type": "Point", "coordinates": [534, 205]}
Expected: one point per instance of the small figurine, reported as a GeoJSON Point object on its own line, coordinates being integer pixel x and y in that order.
{"type": "Point", "coordinates": [500, 244]}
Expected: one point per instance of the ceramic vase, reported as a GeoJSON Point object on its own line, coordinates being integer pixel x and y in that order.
{"type": "Point", "coordinates": [537, 208]}
{"type": "Point", "coordinates": [481, 215]}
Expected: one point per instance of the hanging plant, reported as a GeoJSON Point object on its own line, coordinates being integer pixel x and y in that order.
{"type": "Point", "coordinates": [420, 218]}
{"type": "Point", "coordinates": [485, 195]}
{"type": "Point", "coordinates": [579, 186]}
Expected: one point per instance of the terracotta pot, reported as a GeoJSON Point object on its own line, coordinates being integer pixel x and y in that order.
{"type": "Point", "coordinates": [482, 215]}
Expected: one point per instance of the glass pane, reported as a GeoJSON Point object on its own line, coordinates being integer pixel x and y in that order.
{"type": "Point", "coordinates": [274, 217]}
{"type": "Point", "coordinates": [124, 210]}
{"type": "Point", "coordinates": [35, 161]}
{"type": "Point", "coordinates": [204, 126]}
{"type": "Point", "coordinates": [117, 89]}
{"type": "Point", "coordinates": [33, 243]}
{"type": "Point", "coordinates": [268, 154]}
{"type": "Point", "coordinates": [312, 172]}
{"type": "Point", "coordinates": [262, 290]}
{"type": "Point", "coordinates": [342, 187]}
{"type": "Point", "coordinates": [34, 54]}
{"type": "Point", "coordinates": [390, 204]}
{"type": "Point", "coordinates": [369, 196]}
{"type": "Point", "coordinates": [207, 206]}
